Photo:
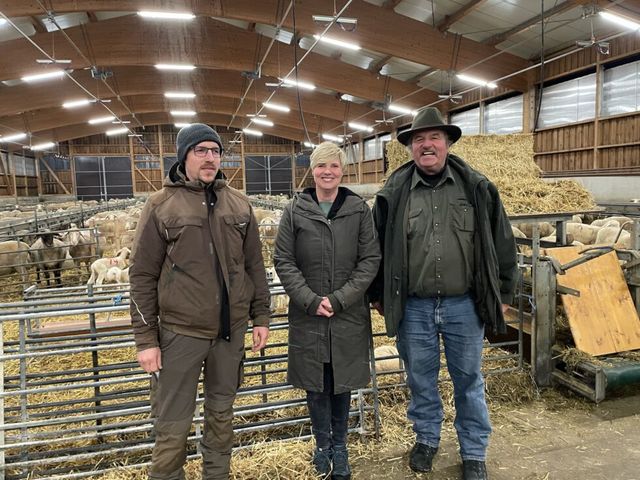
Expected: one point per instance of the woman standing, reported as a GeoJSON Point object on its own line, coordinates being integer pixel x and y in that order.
{"type": "Point", "coordinates": [326, 255]}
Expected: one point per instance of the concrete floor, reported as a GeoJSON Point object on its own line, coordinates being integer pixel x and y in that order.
{"type": "Point", "coordinates": [549, 439]}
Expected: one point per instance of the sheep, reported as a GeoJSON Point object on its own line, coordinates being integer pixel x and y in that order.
{"type": "Point", "coordinates": [279, 301]}
{"type": "Point", "coordinates": [583, 233]}
{"type": "Point", "coordinates": [80, 246]}
{"type": "Point", "coordinates": [544, 229]}
{"type": "Point", "coordinates": [117, 275]}
{"type": "Point", "coordinates": [14, 257]}
{"type": "Point", "coordinates": [608, 235]}
{"type": "Point", "coordinates": [51, 255]}
{"type": "Point", "coordinates": [387, 364]}
{"type": "Point", "coordinates": [100, 267]}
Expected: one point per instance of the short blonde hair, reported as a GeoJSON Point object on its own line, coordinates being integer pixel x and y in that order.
{"type": "Point", "coordinates": [325, 152]}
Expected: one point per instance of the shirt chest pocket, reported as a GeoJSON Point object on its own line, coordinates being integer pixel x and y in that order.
{"type": "Point", "coordinates": [413, 225]}
{"type": "Point", "coordinates": [238, 224]}
{"type": "Point", "coordinates": [235, 231]}
{"type": "Point", "coordinates": [463, 217]}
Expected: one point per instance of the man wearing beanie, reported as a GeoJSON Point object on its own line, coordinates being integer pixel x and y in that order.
{"type": "Point", "coordinates": [197, 278]}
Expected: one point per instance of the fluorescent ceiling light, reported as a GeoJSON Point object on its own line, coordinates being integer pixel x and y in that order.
{"type": "Point", "coordinates": [2, 21]}
{"type": "Point", "coordinates": [276, 106]}
{"type": "Point", "coordinates": [309, 145]}
{"type": "Point", "coordinates": [183, 113]}
{"type": "Point", "coordinates": [76, 103]}
{"type": "Point", "coordinates": [303, 85]}
{"type": "Point", "coordinates": [14, 137]}
{"type": "Point", "coordinates": [117, 131]}
{"type": "Point", "coordinates": [251, 115]}
{"type": "Point", "coordinates": [179, 94]}
{"type": "Point", "coordinates": [49, 61]}
{"type": "Point", "coordinates": [402, 110]}
{"type": "Point", "coordinates": [622, 21]}
{"type": "Point", "coordinates": [134, 135]}
{"type": "Point", "coordinates": [331, 138]}
{"type": "Point", "coordinates": [280, 84]}
{"type": "Point", "coordinates": [360, 126]}
{"type": "Point", "coordinates": [476, 81]}
{"type": "Point", "coordinates": [256, 133]}
{"type": "Point", "coordinates": [347, 98]}
{"type": "Point", "coordinates": [121, 122]}
{"type": "Point", "coordinates": [42, 146]}
{"type": "Point", "coordinates": [329, 18]}
{"type": "Point", "coordinates": [181, 124]}
{"type": "Point", "coordinates": [167, 15]}
{"type": "Point", "coordinates": [337, 43]}
{"type": "Point", "coordinates": [98, 120]}
{"type": "Point", "coordinates": [262, 121]}
{"type": "Point", "coordinates": [168, 66]}
{"type": "Point", "coordinates": [43, 76]}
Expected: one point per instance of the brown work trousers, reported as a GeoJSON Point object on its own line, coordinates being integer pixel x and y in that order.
{"type": "Point", "coordinates": [173, 401]}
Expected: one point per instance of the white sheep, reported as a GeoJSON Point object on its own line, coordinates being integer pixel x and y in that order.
{"type": "Point", "coordinates": [80, 246]}
{"type": "Point", "coordinates": [14, 257]}
{"type": "Point", "coordinates": [387, 364]}
{"type": "Point", "coordinates": [100, 267]}
{"type": "Point", "coordinates": [117, 275]}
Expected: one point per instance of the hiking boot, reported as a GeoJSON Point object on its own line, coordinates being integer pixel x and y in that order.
{"type": "Point", "coordinates": [322, 460]}
{"type": "Point", "coordinates": [421, 457]}
{"type": "Point", "coordinates": [474, 470]}
{"type": "Point", "coordinates": [341, 468]}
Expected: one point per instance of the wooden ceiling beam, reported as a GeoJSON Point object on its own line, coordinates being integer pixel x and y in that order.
{"type": "Point", "coordinates": [398, 35]}
{"type": "Point", "coordinates": [458, 15]}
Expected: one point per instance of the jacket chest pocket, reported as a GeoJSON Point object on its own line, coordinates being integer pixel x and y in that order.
{"type": "Point", "coordinates": [413, 223]}
{"type": "Point", "coordinates": [236, 227]}
{"type": "Point", "coordinates": [183, 235]}
{"type": "Point", "coordinates": [463, 217]}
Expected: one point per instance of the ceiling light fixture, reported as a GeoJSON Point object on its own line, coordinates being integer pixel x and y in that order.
{"type": "Point", "coordinates": [169, 66]}
{"type": "Point", "coordinates": [76, 103]}
{"type": "Point", "coordinates": [303, 85]}
{"type": "Point", "coordinates": [255, 133]}
{"type": "Point", "coordinates": [179, 95]}
{"type": "Point", "coordinates": [276, 106]}
{"type": "Point", "coordinates": [360, 126]}
{"type": "Point", "coordinates": [49, 61]}
{"type": "Point", "coordinates": [401, 110]}
{"type": "Point", "coordinates": [121, 122]}
{"type": "Point", "coordinates": [181, 124]}
{"type": "Point", "coordinates": [262, 121]}
{"type": "Point", "coordinates": [309, 145]}
{"type": "Point", "coordinates": [476, 81]}
{"type": "Point", "coordinates": [43, 76]}
{"type": "Point", "coordinates": [251, 115]}
{"type": "Point", "coordinates": [279, 84]}
{"type": "Point", "coordinates": [134, 135]}
{"type": "Point", "coordinates": [2, 21]}
{"type": "Point", "coordinates": [99, 120]}
{"type": "Point", "coordinates": [117, 131]}
{"type": "Point", "coordinates": [346, 23]}
{"type": "Point", "coordinates": [167, 15]}
{"type": "Point", "coordinates": [42, 146]}
{"type": "Point", "coordinates": [331, 138]}
{"type": "Point", "coordinates": [622, 21]}
{"type": "Point", "coordinates": [13, 138]}
{"type": "Point", "coordinates": [337, 43]}
{"type": "Point", "coordinates": [183, 113]}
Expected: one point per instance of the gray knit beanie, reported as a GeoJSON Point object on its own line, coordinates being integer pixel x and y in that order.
{"type": "Point", "coordinates": [191, 135]}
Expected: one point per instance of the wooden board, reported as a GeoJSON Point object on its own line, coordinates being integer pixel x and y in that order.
{"type": "Point", "coordinates": [603, 319]}
{"type": "Point", "coordinates": [80, 327]}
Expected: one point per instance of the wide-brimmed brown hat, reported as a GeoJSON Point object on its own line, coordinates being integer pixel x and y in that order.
{"type": "Point", "coordinates": [429, 118]}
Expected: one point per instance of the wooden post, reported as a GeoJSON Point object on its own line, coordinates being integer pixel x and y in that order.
{"type": "Point", "coordinates": [543, 333]}
{"type": "Point", "coordinates": [72, 168]}
{"type": "Point", "coordinates": [596, 117]}
{"type": "Point", "coordinates": [133, 166]}
{"type": "Point", "coordinates": [243, 165]}
{"type": "Point", "coordinates": [161, 152]}
{"type": "Point", "coordinates": [38, 179]}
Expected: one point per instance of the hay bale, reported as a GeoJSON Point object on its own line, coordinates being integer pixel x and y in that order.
{"type": "Point", "coordinates": [507, 160]}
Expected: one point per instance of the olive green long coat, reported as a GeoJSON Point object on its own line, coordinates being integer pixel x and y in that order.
{"type": "Point", "coordinates": [337, 258]}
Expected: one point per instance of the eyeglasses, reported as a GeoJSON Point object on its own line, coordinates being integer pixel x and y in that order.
{"type": "Point", "coordinates": [202, 151]}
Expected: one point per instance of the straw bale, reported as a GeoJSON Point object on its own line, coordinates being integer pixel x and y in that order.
{"type": "Point", "coordinates": [507, 160]}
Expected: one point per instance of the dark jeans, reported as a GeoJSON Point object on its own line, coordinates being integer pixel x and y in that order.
{"type": "Point", "coordinates": [329, 413]}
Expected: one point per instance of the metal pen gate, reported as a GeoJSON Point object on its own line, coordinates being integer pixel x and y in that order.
{"type": "Point", "coordinates": [269, 174]}
{"type": "Point", "coordinates": [103, 178]}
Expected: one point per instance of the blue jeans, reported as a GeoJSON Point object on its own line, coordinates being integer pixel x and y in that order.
{"type": "Point", "coordinates": [455, 319]}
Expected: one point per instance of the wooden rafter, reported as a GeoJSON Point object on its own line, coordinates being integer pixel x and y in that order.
{"type": "Point", "coordinates": [458, 15]}
{"type": "Point", "coordinates": [375, 67]}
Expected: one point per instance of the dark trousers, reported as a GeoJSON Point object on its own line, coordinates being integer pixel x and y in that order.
{"type": "Point", "coordinates": [173, 401]}
{"type": "Point", "coordinates": [329, 413]}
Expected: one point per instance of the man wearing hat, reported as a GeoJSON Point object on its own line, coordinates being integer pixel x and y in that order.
{"type": "Point", "coordinates": [449, 266]}
{"type": "Point", "coordinates": [197, 278]}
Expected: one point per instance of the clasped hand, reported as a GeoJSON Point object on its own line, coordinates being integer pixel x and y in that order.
{"type": "Point", "coordinates": [325, 309]}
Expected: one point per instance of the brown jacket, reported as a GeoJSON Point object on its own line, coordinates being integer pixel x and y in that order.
{"type": "Point", "coordinates": [196, 269]}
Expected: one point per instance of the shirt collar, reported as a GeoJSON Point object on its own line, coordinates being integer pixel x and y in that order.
{"type": "Point", "coordinates": [416, 178]}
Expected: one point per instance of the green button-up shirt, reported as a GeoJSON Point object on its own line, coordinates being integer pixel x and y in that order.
{"type": "Point", "coordinates": [440, 228]}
